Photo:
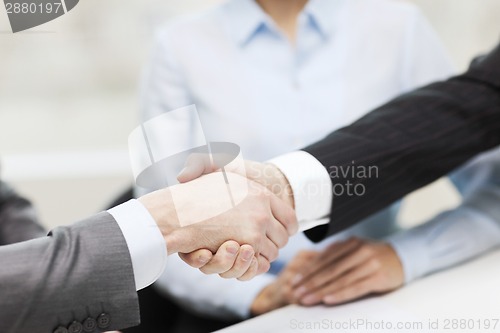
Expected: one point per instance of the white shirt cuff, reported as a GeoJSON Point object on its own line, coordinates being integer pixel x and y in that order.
{"type": "Point", "coordinates": [145, 241]}
{"type": "Point", "coordinates": [311, 186]}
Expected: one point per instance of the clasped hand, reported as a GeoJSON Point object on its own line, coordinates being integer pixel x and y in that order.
{"type": "Point", "coordinates": [236, 243]}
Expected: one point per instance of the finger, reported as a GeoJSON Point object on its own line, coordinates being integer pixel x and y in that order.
{"type": "Point", "coordinates": [338, 249]}
{"type": "Point", "coordinates": [277, 233]}
{"type": "Point", "coordinates": [269, 250]}
{"type": "Point", "coordinates": [284, 214]}
{"type": "Point", "coordinates": [263, 265]}
{"type": "Point", "coordinates": [251, 272]}
{"type": "Point", "coordinates": [351, 292]}
{"type": "Point", "coordinates": [242, 264]}
{"type": "Point", "coordinates": [197, 259]}
{"type": "Point", "coordinates": [327, 258]}
{"type": "Point", "coordinates": [331, 272]}
{"type": "Point", "coordinates": [196, 165]}
{"type": "Point", "coordinates": [299, 263]}
{"type": "Point", "coordinates": [350, 278]}
{"type": "Point", "coordinates": [223, 260]}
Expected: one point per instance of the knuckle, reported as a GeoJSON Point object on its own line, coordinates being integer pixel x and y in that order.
{"type": "Point", "coordinates": [354, 241]}
{"type": "Point", "coordinates": [366, 250]}
{"type": "Point", "coordinates": [343, 283]}
{"type": "Point", "coordinates": [288, 294]}
{"type": "Point", "coordinates": [273, 254]}
{"type": "Point", "coordinates": [303, 254]}
{"type": "Point", "coordinates": [261, 194]}
{"type": "Point", "coordinates": [255, 238]}
{"type": "Point", "coordinates": [264, 266]}
{"type": "Point", "coordinates": [375, 264]}
{"type": "Point", "coordinates": [261, 218]}
{"type": "Point", "coordinates": [312, 284]}
{"type": "Point", "coordinates": [282, 241]}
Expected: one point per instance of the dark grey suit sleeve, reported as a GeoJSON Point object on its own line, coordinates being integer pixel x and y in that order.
{"type": "Point", "coordinates": [80, 274]}
{"type": "Point", "coordinates": [411, 141]}
{"type": "Point", "coordinates": [18, 219]}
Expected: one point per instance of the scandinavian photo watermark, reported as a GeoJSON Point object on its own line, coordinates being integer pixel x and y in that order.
{"type": "Point", "coordinates": [349, 179]}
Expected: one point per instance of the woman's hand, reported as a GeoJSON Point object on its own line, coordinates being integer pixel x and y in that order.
{"type": "Point", "coordinates": [280, 292]}
{"type": "Point", "coordinates": [348, 270]}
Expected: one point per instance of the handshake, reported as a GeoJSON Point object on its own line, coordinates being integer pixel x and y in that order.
{"type": "Point", "coordinates": [239, 242]}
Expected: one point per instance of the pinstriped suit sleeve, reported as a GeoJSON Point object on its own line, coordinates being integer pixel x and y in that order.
{"type": "Point", "coordinates": [74, 273]}
{"type": "Point", "coordinates": [412, 141]}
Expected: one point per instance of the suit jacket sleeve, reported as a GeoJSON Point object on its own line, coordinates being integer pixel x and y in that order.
{"type": "Point", "coordinates": [410, 142]}
{"type": "Point", "coordinates": [79, 273]}
{"type": "Point", "coordinates": [18, 219]}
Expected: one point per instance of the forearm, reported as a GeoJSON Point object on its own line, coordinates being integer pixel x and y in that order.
{"type": "Point", "coordinates": [449, 239]}
{"type": "Point", "coordinates": [411, 141]}
{"type": "Point", "coordinates": [69, 275]}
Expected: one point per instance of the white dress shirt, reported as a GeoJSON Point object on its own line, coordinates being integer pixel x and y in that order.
{"type": "Point", "coordinates": [254, 88]}
{"type": "Point", "coordinates": [145, 242]}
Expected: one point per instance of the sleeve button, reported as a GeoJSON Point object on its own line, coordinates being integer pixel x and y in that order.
{"type": "Point", "coordinates": [89, 325]}
{"type": "Point", "coordinates": [75, 327]}
{"type": "Point", "coordinates": [61, 329]}
{"type": "Point", "coordinates": [103, 321]}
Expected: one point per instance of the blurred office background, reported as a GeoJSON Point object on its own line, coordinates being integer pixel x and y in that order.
{"type": "Point", "coordinates": [69, 97]}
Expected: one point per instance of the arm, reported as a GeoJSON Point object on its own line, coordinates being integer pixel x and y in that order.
{"type": "Point", "coordinates": [399, 147]}
{"type": "Point", "coordinates": [412, 141]}
{"type": "Point", "coordinates": [460, 234]}
{"type": "Point", "coordinates": [18, 221]}
{"type": "Point", "coordinates": [68, 276]}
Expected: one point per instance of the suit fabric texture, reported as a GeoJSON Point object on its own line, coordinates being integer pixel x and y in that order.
{"type": "Point", "coordinates": [411, 141]}
{"type": "Point", "coordinates": [77, 279]}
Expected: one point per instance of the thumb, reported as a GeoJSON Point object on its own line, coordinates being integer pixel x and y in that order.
{"type": "Point", "coordinates": [196, 165]}
{"type": "Point", "coordinates": [198, 258]}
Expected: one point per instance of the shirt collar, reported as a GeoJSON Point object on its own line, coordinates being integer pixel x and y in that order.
{"type": "Point", "coordinates": [246, 19]}
{"type": "Point", "coordinates": [324, 15]}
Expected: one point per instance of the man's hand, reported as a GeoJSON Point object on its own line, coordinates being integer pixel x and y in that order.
{"type": "Point", "coordinates": [280, 292]}
{"type": "Point", "coordinates": [349, 270]}
{"type": "Point", "coordinates": [261, 220]}
{"type": "Point", "coordinates": [230, 261]}
{"type": "Point", "coordinates": [266, 174]}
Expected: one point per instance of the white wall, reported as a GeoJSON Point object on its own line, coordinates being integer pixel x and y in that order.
{"type": "Point", "coordinates": [68, 95]}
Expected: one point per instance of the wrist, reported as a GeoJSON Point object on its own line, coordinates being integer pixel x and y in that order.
{"type": "Point", "coordinates": [280, 185]}
{"type": "Point", "coordinates": [161, 207]}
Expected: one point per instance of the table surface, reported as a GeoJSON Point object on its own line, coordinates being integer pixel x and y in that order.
{"type": "Point", "coordinates": [465, 298]}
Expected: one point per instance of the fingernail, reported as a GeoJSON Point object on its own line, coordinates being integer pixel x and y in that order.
{"type": "Point", "coordinates": [232, 250]}
{"type": "Point", "coordinates": [330, 299]}
{"type": "Point", "coordinates": [297, 279]}
{"type": "Point", "coordinates": [203, 259]}
{"type": "Point", "coordinates": [247, 255]}
{"type": "Point", "coordinates": [309, 300]}
{"type": "Point", "coordinates": [299, 292]}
